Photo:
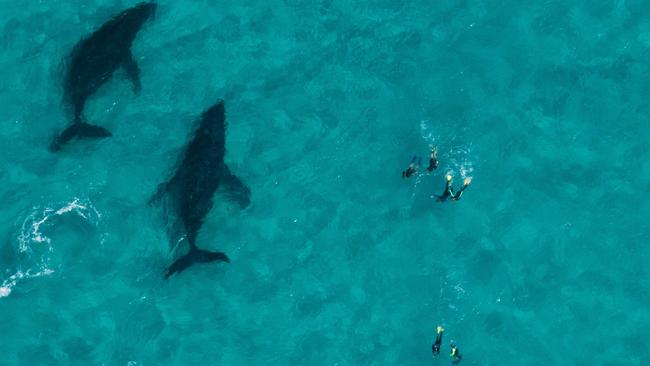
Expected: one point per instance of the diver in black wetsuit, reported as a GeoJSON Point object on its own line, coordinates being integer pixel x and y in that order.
{"type": "Point", "coordinates": [455, 355]}
{"type": "Point", "coordinates": [449, 190]}
{"type": "Point", "coordinates": [433, 160]}
{"type": "Point", "coordinates": [412, 168]}
{"type": "Point", "coordinates": [435, 348]}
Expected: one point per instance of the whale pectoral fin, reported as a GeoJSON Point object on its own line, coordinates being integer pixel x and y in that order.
{"type": "Point", "coordinates": [132, 71]}
{"type": "Point", "coordinates": [236, 189]}
{"type": "Point", "coordinates": [160, 191]}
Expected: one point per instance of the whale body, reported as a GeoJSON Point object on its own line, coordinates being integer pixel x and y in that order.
{"type": "Point", "coordinates": [93, 61]}
{"type": "Point", "coordinates": [189, 192]}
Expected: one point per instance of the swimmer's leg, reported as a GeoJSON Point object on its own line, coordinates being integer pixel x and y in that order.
{"type": "Point", "coordinates": [456, 196]}
{"type": "Point", "coordinates": [449, 190]}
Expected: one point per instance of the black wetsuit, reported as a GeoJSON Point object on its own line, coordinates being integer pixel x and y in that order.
{"type": "Point", "coordinates": [433, 160]}
{"type": "Point", "coordinates": [412, 169]}
{"type": "Point", "coordinates": [408, 172]}
{"type": "Point", "coordinates": [433, 164]}
{"type": "Point", "coordinates": [449, 192]}
{"type": "Point", "coordinates": [435, 348]}
{"type": "Point", "coordinates": [456, 196]}
{"type": "Point", "coordinates": [456, 357]}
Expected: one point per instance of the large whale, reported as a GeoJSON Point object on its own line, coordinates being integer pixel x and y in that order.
{"type": "Point", "coordinates": [188, 194]}
{"type": "Point", "coordinates": [92, 63]}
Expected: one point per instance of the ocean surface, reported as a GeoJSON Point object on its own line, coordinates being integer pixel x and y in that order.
{"type": "Point", "coordinates": [338, 260]}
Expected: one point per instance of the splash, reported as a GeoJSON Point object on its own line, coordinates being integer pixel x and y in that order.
{"type": "Point", "coordinates": [425, 132]}
{"type": "Point", "coordinates": [454, 155]}
{"type": "Point", "coordinates": [31, 231]}
{"type": "Point", "coordinates": [35, 247]}
{"type": "Point", "coordinates": [464, 164]}
{"type": "Point", "coordinates": [9, 283]}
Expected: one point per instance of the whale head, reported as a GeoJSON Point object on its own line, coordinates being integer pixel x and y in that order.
{"type": "Point", "coordinates": [132, 19]}
{"type": "Point", "coordinates": [143, 11]}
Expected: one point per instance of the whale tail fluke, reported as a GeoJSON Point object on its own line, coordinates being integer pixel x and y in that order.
{"type": "Point", "coordinates": [79, 129]}
{"type": "Point", "coordinates": [195, 255]}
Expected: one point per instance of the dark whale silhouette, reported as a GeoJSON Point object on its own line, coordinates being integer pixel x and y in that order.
{"type": "Point", "coordinates": [92, 63]}
{"type": "Point", "coordinates": [189, 193]}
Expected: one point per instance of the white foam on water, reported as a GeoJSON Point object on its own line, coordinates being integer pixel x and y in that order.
{"type": "Point", "coordinates": [31, 228]}
{"type": "Point", "coordinates": [9, 283]}
{"type": "Point", "coordinates": [465, 165]}
{"type": "Point", "coordinates": [456, 158]}
{"type": "Point", "coordinates": [71, 206]}
{"type": "Point", "coordinates": [36, 247]}
{"type": "Point", "coordinates": [425, 132]}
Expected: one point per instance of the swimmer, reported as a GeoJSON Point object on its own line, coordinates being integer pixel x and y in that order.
{"type": "Point", "coordinates": [455, 355]}
{"type": "Point", "coordinates": [449, 190]}
{"type": "Point", "coordinates": [435, 348]}
{"type": "Point", "coordinates": [433, 160]}
{"type": "Point", "coordinates": [413, 168]}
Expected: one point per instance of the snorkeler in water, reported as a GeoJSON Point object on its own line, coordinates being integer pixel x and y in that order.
{"type": "Point", "coordinates": [412, 168]}
{"type": "Point", "coordinates": [435, 348]}
{"type": "Point", "coordinates": [449, 190]}
{"type": "Point", "coordinates": [433, 160]}
{"type": "Point", "coordinates": [455, 355]}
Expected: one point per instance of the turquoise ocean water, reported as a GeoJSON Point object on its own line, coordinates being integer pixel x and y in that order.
{"type": "Point", "coordinates": [338, 261]}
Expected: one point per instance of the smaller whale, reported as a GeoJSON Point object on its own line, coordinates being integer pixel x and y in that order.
{"type": "Point", "coordinates": [189, 192]}
{"type": "Point", "coordinates": [92, 63]}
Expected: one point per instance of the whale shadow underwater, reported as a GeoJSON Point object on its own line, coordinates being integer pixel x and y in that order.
{"type": "Point", "coordinates": [188, 194]}
{"type": "Point", "coordinates": [92, 62]}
